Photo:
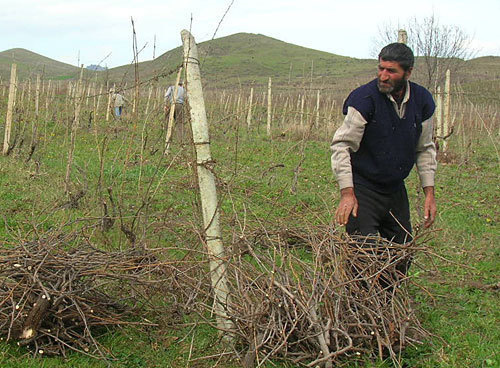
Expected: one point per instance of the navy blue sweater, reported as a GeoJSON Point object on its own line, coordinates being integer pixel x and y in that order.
{"type": "Point", "coordinates": [386, 153]}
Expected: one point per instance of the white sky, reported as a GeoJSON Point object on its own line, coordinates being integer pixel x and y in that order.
{"type": "Point", "coordinates": [63, 29]}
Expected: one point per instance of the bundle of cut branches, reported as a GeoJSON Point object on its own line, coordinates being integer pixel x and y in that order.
{"type": "Point", "coordinates": [330, 298]}
{"type": "Point", "coordinates": [54, 298]}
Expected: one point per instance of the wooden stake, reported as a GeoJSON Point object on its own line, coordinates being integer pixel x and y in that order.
{"type": "Point", "coordinates": [74, 126]}
{"type": "Point", "coordinates": [446, 112]}
{"type": "Point", "coordinates": [237, 115]}
{"type": "Point", "coordinates": [37, 96]}
{"type": "Point", "coordinates": [96, 111]}
{"type": "Point", "coordinates": [47, 99]}
{"type": "Point", "coordinates": [149, 97]}
{"type": "Point", "coordinates": [110, 97]}
{"type": "Point", "coordinates": [249, 114]}
{"type": "Point", "coordinates": [317, 110]}
{"type": "Point", "coordinates": [34, 125]}
{"type": "Point", "coordinates": [21, 100]}
{"type": "Point", "coordinates": [269, 107]}
{"type": "Point", "coordinates": [302, 102]}
{"type": "Point", "coordinates": [135, 107]}
{"type": "Point", "coordinates": [438, 114]}
{"type": "Point", "coordinates": [10, 108]}
{"type": "Point", "coordinates": [283, 114]}
{"type": "Point", "coordinates": [402, 36]}
{"type": "Point", "coordinates": [29, 93]}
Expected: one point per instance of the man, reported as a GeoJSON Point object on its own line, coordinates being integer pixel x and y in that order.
{"type": "Point", "coordinates": [119, 101]}
{"type": "Point", "coordinates": [386, 130]}
{"type": "Point", "coordinates": [179, 101]}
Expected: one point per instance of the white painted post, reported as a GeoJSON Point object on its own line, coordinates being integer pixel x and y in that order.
{"type": "Point", "coordinates": [206, 182]}
{"type": "Point", "coordinates": [10, 108]}
{"type": "Point", "coordinates": [269, 107]}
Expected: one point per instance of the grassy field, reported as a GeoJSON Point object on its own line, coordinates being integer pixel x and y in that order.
{"type": "Point", "coordinates": [278, 182]}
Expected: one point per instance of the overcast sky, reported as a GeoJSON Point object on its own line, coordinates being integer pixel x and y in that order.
{"type": "Point", "coordinates": [92, 29]}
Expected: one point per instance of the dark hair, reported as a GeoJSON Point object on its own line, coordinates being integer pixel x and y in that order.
{"type": "Point", "coordinates": [398, 52]}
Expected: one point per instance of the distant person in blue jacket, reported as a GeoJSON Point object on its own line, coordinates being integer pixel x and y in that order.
{"type": "Point", "coordinates": [386, 131]}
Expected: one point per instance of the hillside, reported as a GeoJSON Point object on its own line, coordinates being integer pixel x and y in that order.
{"type": "Point", "coordinates": [30, 63]}
{"type": "Point", "coordinates": [245, 59]}
{"type": "Point", "coordinates": [240, 60]}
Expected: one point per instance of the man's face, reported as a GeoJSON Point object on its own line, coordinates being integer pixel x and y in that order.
{"type": "Point", "coordinates": [391, 76]}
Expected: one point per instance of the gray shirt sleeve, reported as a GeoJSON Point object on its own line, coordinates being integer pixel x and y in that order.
{"type": "Point", "coordinates": [426, 155]}
{"type": "Point", "coordinates": [346, 140]}
{"type": "Point", "coordinates": [168, 94]}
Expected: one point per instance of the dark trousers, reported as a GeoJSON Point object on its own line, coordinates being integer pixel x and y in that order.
{"type": "Point", "coordinates": [387, 215]}
{"type": "Point", "coordinates": [178, 112]}
{"type": "Point", "coordinates": [178, 131]}
{"type": "Point", "coordinates": [381, 213]}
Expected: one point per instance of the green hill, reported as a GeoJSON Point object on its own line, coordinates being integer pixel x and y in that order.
{"type": "Point", "coordinates": [244, 59]}
{"type": "Point", "coordinates": [241, 60]}
{"type": "Point", "coordinates": [30, 64]}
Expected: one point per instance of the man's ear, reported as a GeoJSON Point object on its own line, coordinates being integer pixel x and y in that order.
{"type": "Point", "coordinates": [408, 72]}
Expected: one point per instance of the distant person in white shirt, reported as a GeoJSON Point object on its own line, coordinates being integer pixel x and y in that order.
{"type": "Point", "coordinates": [178, 101]}
{"type": "Point", "coordinates": [119, 102]}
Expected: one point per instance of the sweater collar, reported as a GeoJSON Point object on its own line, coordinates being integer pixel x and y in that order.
{"type": "Point", "coordinates": [406, 96]}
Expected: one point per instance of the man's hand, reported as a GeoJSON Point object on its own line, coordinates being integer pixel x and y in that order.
{"type": "Point", "coordinates": [348, 204]}
{"type": "Point", "coordinates": [429, 207]}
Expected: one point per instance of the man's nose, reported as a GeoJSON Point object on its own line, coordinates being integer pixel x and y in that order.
{"type": "Point", "coordinates": [383, 75]}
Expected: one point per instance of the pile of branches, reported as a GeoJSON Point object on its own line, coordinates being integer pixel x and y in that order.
{"type": "Point", "coordinates": [55, 298]}
{"type": "Point", "coordinates": [307, 296]}
{"type": "Point", "coordinates": [315, 298]}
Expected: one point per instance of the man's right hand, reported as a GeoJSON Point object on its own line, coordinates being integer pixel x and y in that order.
{"type": "Point", "coordinates": [348, 204]}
